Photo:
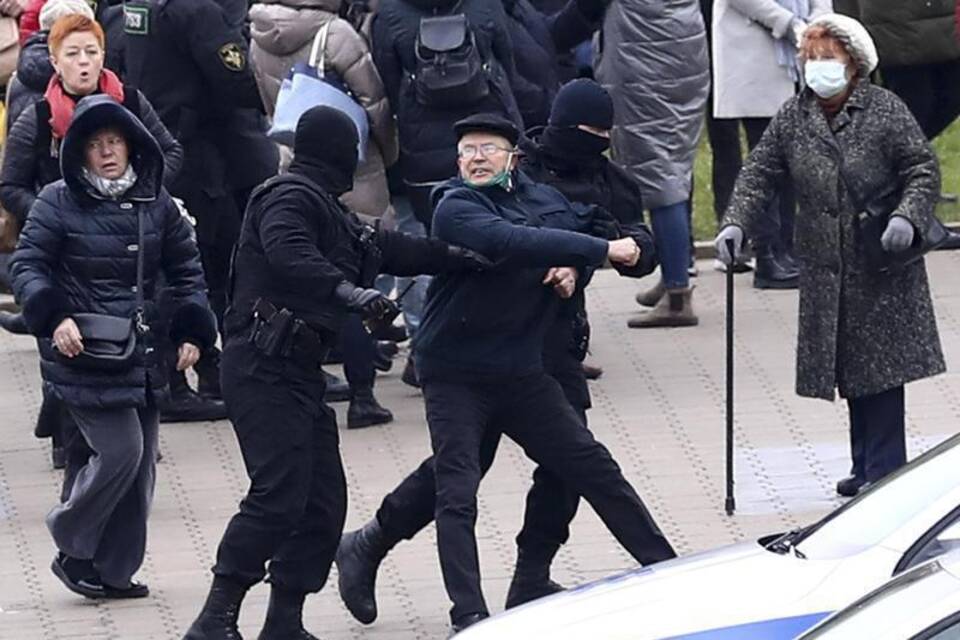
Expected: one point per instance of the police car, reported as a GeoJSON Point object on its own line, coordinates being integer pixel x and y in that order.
{"type": "Point", "coordinates": [776, 587]}
{"type": "Point", "coordinates": [921, 604]}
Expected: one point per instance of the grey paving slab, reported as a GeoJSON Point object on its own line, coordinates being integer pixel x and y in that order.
{"type": "Point", "coordinates": [658, 407]}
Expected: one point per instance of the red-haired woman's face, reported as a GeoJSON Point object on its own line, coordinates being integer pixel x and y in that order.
{"type": "Point", "coordinates": [78, 62]}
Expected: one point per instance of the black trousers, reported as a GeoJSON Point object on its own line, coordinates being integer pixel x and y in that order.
{"type": "Point", "coordinates": [931, 92]}
{"type": "Point", "coordinates": [293, 513]}
{"type": "Point", "coordinates": [533, 412]}
{"type": "Point", "coordinates": [359, 349]}
{"type": "Point", "coordinates": [551, 504]}
{"type": "Point", "coordinates": [877, 438]}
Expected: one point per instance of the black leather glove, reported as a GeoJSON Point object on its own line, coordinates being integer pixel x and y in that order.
{"type": "Point", "coordinates": [466, 259]}
{"type": "Point", "coordinates": [603, 225]}
{"type": "Point", "coordinates": [369, 303]}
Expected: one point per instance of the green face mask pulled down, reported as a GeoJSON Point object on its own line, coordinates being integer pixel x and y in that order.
{"type": "Point", "coordinates": [503, 179]}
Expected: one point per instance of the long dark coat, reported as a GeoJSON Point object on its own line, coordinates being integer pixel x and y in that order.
{"type": "Point", "coordinates": [860, 332]}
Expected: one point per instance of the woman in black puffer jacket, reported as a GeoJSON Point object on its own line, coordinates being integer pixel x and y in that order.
{"type": "Point", "coordinates": [78, 254]}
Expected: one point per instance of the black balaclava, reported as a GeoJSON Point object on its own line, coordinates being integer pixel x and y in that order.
{"type": "Point", "coordinates": [325, 149]}
{"type": "Point", "coordinates": [580, 101]}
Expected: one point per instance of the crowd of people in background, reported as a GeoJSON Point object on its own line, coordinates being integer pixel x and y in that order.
{"type": "Point", "coordinates": [593, 111]}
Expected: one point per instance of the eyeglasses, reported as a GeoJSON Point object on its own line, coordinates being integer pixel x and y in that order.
{"type": "Point", "coordinates": [470, 151]}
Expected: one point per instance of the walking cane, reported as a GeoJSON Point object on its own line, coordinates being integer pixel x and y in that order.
{"type": "Point", "coordinates": [729, 504]}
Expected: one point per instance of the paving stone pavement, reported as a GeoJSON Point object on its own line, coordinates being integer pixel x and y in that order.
{"type": "Point", "coordinates": [658, 407]}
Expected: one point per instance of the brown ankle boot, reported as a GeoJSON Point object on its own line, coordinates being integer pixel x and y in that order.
{"type": "Point", "coordinates": [652, 296]}
{"type": "Point", "coordinates": [675, 309]}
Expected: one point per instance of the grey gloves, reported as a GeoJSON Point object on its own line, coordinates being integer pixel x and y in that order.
{"type": "Point", "coordinates": [729, 232]}
{"type": "Point", "coordinates": [369, 303]}
{"type": "Point", "coordinates": [898, 235]}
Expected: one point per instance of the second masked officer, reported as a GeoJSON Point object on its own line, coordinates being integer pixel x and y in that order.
{"type": "Point", "coordinates": [303, 262]}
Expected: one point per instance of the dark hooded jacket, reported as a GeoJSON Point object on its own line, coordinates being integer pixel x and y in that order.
{"type": "Point", "coordinates": [78, 252]}
{"type": "Point", "coordinates": [31, 159]}
{"type": "Point", "coordinates": [33, 74]}
{"type": "Point", "coordinates": [427, 142]}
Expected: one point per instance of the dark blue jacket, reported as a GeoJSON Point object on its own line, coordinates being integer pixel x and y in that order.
{"type": "Point", "coordinates": [483, 326]}
{"type": "Point", "coordinates": [78, 253]}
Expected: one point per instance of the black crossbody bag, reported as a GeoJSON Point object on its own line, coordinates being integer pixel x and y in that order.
{"type": "Point", "coordinates": [871, 221]}
{"type": "Point", "coordinates": [110, 342]}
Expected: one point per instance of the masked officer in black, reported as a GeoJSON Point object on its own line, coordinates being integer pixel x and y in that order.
{"type": "Point", "coordinates": [190, 59]}
{"type": "Point", "coordinates": [483, 374]}
{"type": "Point", "coordinates": [302, 264]}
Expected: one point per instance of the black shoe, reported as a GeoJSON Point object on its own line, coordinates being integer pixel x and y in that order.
{"type": "Point", "coordinates": [866, 486]}
{"type": "Point", "coordinates": [383, 360]}
{"type": "Point", "coordinates": [285, 617]}
{"type": "Point", "coordinates": [208, 374]}
{"type": "Point", "coordinates": [522, 592]}
{"type": "Point", "coordinates": [531, 577]}
{"type": "Point", "coordinates": [849, 486]}
{"type": "Point", "coordinates": [80, 577]}
{"type": "Point", "coordinates": [188, 406]}
{"type": "Point", "coordinates": [365, 411]}
{"type": "Point", "coordinates": [337, 389]}
{"type": "Point", "coordinates": [358, 559]}
{"type": "Point", "coordinates": [590, 372]}
{"type": "Point", "coordinates": [218, 618]}
{"type": "Point", "coordinates": [14, 323]}
{"type": "Point", "coordinates": [58, 456]}
{"type": "Point", "coordinates": [466, 621]}
{"type": "Point", "coordinates": [409, 376]}
{"type": "Point", "coordinates": [770, 274]}
{"type": "Point", "coordinates": [392, 332]}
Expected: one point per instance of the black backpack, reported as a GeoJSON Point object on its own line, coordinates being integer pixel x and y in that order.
{"type": "Point", "coordinates": [451, 71]}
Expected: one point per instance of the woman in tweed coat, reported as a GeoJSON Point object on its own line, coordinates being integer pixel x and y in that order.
{"type": "Point", "coordinates": [862, 333]}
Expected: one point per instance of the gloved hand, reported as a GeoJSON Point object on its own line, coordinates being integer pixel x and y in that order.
{"type": "Point", "coordinates": [467, 259]}
{"type": "Point", "coordinates": [898, 235]}
{"type": "Point", "coordinates": [603, 225]}
{"type": "Point", "coordinates": [729, 232]}
{"type": "Point", "coordinates": [369, 303]}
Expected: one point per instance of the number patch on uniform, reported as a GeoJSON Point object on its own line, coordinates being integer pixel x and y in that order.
{"type": "Point", "coordinates": [233, 57]}
{"type": "Point", "coordinates": [136, 20]}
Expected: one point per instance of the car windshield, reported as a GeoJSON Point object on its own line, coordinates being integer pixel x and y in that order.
{"type": "Point", "coordinates": [872, 516]}
{"type": "Point", "coordinates": [897, 600]}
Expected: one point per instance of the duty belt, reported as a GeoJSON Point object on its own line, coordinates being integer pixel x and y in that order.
{"type": "Point", "coordinates": [276, 332]}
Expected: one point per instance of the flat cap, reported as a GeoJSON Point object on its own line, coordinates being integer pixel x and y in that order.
{"type": "Point", "coordinates": [487, 123]}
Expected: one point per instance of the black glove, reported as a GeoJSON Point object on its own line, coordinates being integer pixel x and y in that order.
{"type": "Point", "coordinates": [369, 303]}
{"type": "Point", "coordinates": [467, 260]}
{"type": "Point", "coordinates": [603, 225]}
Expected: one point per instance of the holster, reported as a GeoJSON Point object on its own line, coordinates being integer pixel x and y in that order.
{"type": "Point", "coordinates": [277, 333]}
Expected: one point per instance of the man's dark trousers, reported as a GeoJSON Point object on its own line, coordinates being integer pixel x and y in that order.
{"type": "Point", "coordinates": [877, 440]}
{"type": "Point", "coordinates": [533, 412]}
{"type": "Point", "coordinates": [294, 512]}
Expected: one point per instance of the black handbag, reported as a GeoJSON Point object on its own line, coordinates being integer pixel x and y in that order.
{"type": "Point", "coordinates": [871, 222]}
{"type": "Point", "coordinates": [110, 342]}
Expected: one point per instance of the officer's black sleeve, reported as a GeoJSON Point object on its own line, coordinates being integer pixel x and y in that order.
{"type": "Point", "coordinates": [407, 255]}
{"type": "Point", "coordinates": [604, 225]}
{"type": "Point", "coordinates": [172, 151]}
{"type": "Point", "coordinates": [572, 25]}
{"type": "Point", "coordinates": [18, 176]}
{"type": "Point", "coordinates": [222, 55]}
{"type": "Point", "coordinates": [290, 245]}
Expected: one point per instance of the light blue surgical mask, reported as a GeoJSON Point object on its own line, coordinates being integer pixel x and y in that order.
{"type": "Point", "coordinates": [827, 78]}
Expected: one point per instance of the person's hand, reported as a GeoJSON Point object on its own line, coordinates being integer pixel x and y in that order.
{"type": "Point", "coordinates": [468, 259]}
{"type": "Point", "coordinates": [67, 338]}
{"type": "Point", "coordinates": [563, 280]}
{"type": "Point", "coordinates": [795, 32]}
{"type": "Point", "coordinates": [369, 303]}
{"type": "Point", "coordinates": [898, 235]}
{"type": "Point", "coordinates": [729, 232]}
{"type": "Point", "coordinates": [187, 356]}
{"type": "Point", "coordinates": [624, 251]}
{"type": "Point", "coordinates": [12, 8]}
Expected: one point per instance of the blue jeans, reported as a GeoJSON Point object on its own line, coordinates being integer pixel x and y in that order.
{"type": "Point", "coordinates": [412, 303]}
{"type": "Point", "coordinates": [671, 231]}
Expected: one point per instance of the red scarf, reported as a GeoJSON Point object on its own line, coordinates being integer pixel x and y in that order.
{"type": "Point", "coordinates": [62, 104]}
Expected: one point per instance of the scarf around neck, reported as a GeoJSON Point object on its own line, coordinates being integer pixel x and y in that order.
{"type": "Point", "coordinates": [62, 103]}
{"type": "Point", "coordinates": [786, 51]}
{"type": "Point", "coordinates": [111, 188]}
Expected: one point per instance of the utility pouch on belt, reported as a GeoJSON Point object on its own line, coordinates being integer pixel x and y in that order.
{"type": "Point", "coordinates": [272, 329]}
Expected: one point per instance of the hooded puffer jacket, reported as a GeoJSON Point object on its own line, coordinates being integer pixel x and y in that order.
{"type": "Point", "coordinates": [428, 146]}
{"type": "Point", "coordinates": [283, 32]}
{"type": "Point", "coordinates": [78, 254]}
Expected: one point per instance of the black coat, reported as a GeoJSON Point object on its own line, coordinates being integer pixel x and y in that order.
{"type": "Point", "coordinates": [31, 160]}
{"type": "Point", "coordinates": [33, 74]}
{"type": "Point", "coordinates": [537, 79]}
{"type": "Point", "coordinates": [78, 251]}
{"type": "Point", "coordinates": [298, 243]}
{"type": "Point", "coordinates": [427, 142]}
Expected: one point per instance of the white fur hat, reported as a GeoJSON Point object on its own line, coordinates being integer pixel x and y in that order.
{"type": "Point", "coordinates": [53, 10]}
{"type": "Point", "coordinates": [854, 38]}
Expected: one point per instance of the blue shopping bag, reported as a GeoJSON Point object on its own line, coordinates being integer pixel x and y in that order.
{"type": "Point", "coordinates": [306, 86]}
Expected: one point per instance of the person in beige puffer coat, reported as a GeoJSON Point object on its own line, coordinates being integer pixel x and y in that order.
{"type": "Point", "coordinates": [282, 32]}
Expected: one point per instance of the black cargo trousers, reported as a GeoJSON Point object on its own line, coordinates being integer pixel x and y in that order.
{"type": "Point", "coordinates": [294, 511]}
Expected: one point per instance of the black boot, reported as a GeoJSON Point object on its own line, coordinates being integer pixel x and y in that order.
{"type": "Point", "coordinates": [186, 405]}
{"type": "Point", "coordinates": [409, 375]}
{"type": "Point", "coordinates": [14, 323]}
{"type": "Point", "coordinates": [465, 622]}
{"type": "Point", "coordinates": [218, 618]}
{"type": "Point", "coordinates": [850, 486]}
{"type": "Point", "coordinates": [770, 274]}
{"type": "Point", "coordinates": [383, 360]}
{"type": "Point", "coordinates": [391, 332]}
{"type": "Point", "coordinates": [531, 578]}
{"type": "Point", "coordinates": [285, 616]}
{"type": "Point", "coordinates": [365, 411]}
{"type": "Point", "coordinates": [358, 559]}
{"type": "Point", "coordinates": [208, 374]}
{"type": "Point", "coordinates": [337, 389]}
